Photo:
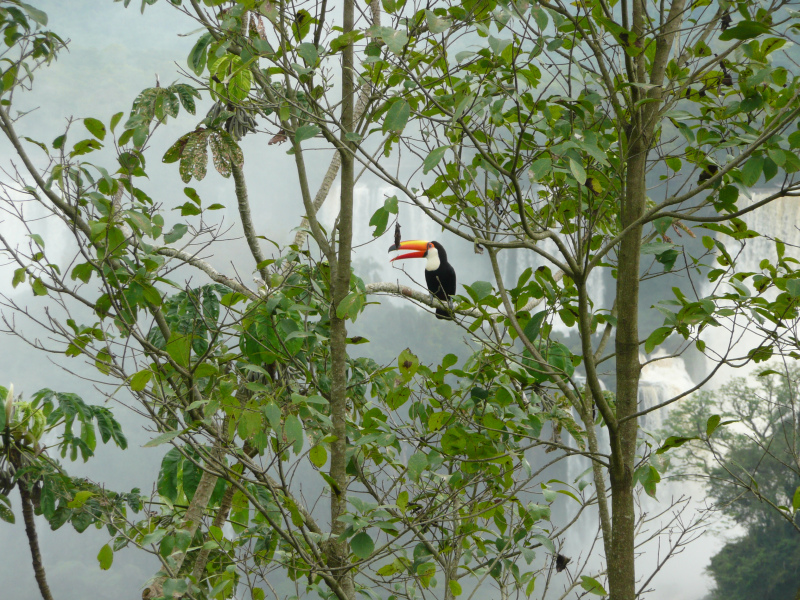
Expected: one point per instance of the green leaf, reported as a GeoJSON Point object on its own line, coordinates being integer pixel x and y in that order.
{"type": "Point", "coordinates": [674, 442]}
{"type": "Point", "coordinates": [538, 511]}
{"type": "Point", "coordinates": [80, 499]}
{"type": "Point", "coordinates": [362, 545]}
{"type": "Point", "coordinates": [188, 209]}
{"type": "Point", "coordinates": [154, 537]}
{"type": "Point", "coordinates": [95, 127]}
{"type": "Point", "coordinates": [193, 195]}
{"type": "Point", "coordinates": [712, 424]}
{"type": "Point", "coordinates": [649, 476]}
{"type": "Point", "coordinates": [306, 132]}
{"type": "Point", "coordinates": [577, 170]}
{"type": "Point", "coordinates": [177, 233]}
{"type": "Point", "coordinates": [105, 557]}
{"type": "Point", "coordinates": [662, 224]}
{"type": "Point", "coordinates": [388, 570]}
{"type": "Point", "coordinates": [162, 439]}
{"type": "Point", "coordinates": [793, 287]}
{"type": "Point", "coordinates": [546, 542]}
{"type": "Point", "coordinates": [176, 588]}
{"type": "Point", "coordinates": [777, 155]}
{"type": "Point", "coordinates": [437, 420]}
{"type": "Point", "coordinates": [197, 57]}
{"type": "Point", "coordinates": [656, 247]}
{"type": "Point", "coordinates": [39, 288]}
{"type": "Point", "coordinates": [455, 587]}
{"type": "Point", "coordinates": [5, 507]}
{"type": "Point", "coordinates": [345, 40]}
{"type": "Point", "coordinates": [540, 168]}
{"type": "Point", "coordinates": [416, 464]}
{"type": "Point", "coordinates": [379, 220]}
{"type": "Point", "coordinates": [140, 379]}
{"type": "Point", "coordinates": [350, 306]}
{"type": "Point", "coordinates": [436, 24]}
{"type": "Point", "coordinates": [115, 120]}
{"type": "Point", "coordinates": [294, 432]}
{"type": "Point", "coordinates": [796, 500]}
{"type": "Point", "coordinates": [394, 40]}
{"type": "Point", "coordinates": [408, 364]}
{"type": "Point", "coordinates": [744, 30]}
{"type": "Point", "coordinates": [397, 117]}
{"type": "Point", "coordinates": [38, 239]}
{"type": "Point", "coordinates": [728, 195]}
{"type": "Point", "coordinates": [770, 169]}
{"type": "Point", "coordinates": [398, 397]}
{"type": "Point", "coordinates": [40, 144]}
{"type": "Point", "coordinates": [85, 147]}
{"type": "Point", "coordinates": [752, 170]}
{"type": "Point", "coordinates": [179, 347]}
{"type": "Point", "coordinates": [308, 52]}
{"type": "Point", "coordinates": [592, 586]}
{"type": "Point", "coordinates": [19, 277]}
{"type": "Point", "coordinates": [34, 13]}
{"type": "Point", "coordinates": [433, 159]}
{"type": "Point", "coordinates": [656, 338]}
{"type": "Point", "coordinates": [479, 290]}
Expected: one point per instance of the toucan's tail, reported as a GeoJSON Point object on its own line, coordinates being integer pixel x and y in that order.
{"type": "Point", "coordinates": [444, 314]}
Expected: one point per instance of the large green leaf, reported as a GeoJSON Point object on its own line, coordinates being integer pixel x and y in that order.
{"type": "Point", "coordinates": [397, 117]}
{"type": "Point", "coordinates": [306, 132]}
{"type": "Point", "coordinates": [592, 586]}
{"type": "Point", "coordinates": [433, 159]}
{"type": "Point", "coordinates": [744, 30]}
{"type": "Point", "coordinates": [167, 484]}
{"type": "Point", "coordinates": [179, 348]}
{"type": "Point", "coordinates": [362, 545]}
{"type": "Point", "coordinates": [105, 557]}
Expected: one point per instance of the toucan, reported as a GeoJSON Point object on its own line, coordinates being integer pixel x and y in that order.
{"type": "Point", "coordinates": [440, 276]}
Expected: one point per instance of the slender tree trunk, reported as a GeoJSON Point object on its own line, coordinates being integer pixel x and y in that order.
{"type": "Point", "coordinates": [191, 522]}
{"type": "Point", "coordinates": [33, 542]}
{"type": "Point", "coordinates": [199, 568]}
{"type": "Point", "coordinates": [623, 443]}
{"type": "Point", "coordinates": [338, 553]}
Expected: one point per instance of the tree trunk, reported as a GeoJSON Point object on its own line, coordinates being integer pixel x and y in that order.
{"type": "Point", "coordinates": [621, 566]}
{"type": "Point", "coordinates": [33, 542]}
{"type": "Point", "coordinates": [338, 553]}
{"type": "Point", "coordinates": [191, 522]}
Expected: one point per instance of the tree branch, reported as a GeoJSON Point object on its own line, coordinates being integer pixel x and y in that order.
{"type": "Point", "coordinates": [247, 222]}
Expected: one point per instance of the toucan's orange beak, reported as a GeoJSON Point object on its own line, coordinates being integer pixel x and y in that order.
{"type": "Point", "coordinates": [421, 247]}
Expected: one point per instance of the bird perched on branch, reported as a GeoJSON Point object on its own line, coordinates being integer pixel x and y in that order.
{"type": "Point", "coordinates": [440, 276]}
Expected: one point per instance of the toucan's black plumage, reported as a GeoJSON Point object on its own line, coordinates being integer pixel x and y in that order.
{"type": "Point", "coordinates": [440, 276]}
{"type": "Point", "coordinates": [441, 281]}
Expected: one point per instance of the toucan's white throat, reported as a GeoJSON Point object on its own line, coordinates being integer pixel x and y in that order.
{"type": "Point", "coordinates": [433, 259]}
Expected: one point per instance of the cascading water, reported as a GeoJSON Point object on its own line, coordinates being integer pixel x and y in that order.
{"type": "Point", "coordinates": [779, 220]}
{"type": "Point", "coordinates": [662, 378]}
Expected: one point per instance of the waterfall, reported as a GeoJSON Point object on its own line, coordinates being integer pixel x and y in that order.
{"type": "Point", "coordinates": [778, 220]}
{"type": "Point", "coordinates": [662, 378]}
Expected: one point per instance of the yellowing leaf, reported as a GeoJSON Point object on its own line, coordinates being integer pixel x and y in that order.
{"type": "Point", "coordinates": [318, 456]}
